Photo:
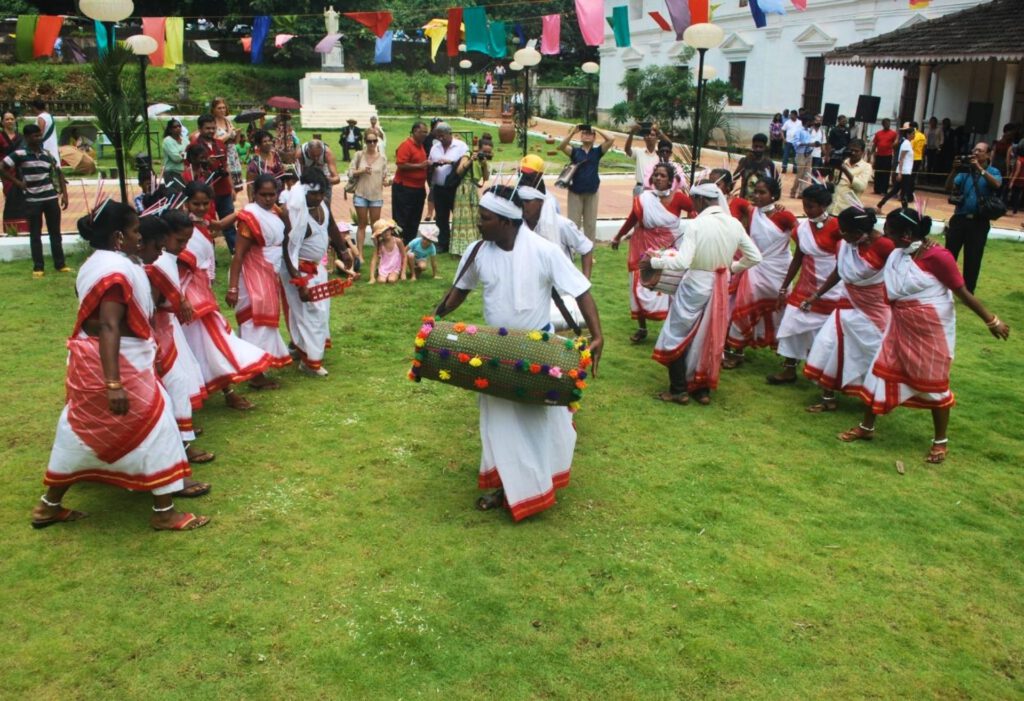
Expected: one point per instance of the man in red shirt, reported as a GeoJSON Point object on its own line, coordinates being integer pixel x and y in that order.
{"type": "Point", "coordinates": [223, 188]}
{"type": "Point", "coordinates": [409, 188]}
{"type": "Point", "coordinates": [882, 146]}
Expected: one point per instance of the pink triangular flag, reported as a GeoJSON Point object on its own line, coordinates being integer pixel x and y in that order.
{"type": "Point", "coordinates": [551, 34]}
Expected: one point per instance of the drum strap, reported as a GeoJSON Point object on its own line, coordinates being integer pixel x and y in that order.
{"type": "Point", "coordinates": [469, 261]}
{"type": "Point", "coordinates": [557, 298]}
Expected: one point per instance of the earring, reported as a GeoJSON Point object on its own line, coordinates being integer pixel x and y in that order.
{"type": "Point", "coordinates": [119, 241]}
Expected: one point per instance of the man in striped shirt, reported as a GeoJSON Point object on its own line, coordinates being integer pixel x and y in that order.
{"type": "Point", "coordinates": [31, 170]}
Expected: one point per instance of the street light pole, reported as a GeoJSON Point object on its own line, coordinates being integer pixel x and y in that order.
{"type": "Point", "coordinates": [527, 58]}
{"type": "Point", "coordinates": [590, 68]}
{"type": "Point", "coordinates": [701, 37]}
{"type": "Point", "coordinates": [142, 46]}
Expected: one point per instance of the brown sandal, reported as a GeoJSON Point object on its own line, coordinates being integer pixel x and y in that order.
{"type": "Point", "coordinates": [675, 398]}
{"type": "Point", "coordinates": [826, 404]}
{"type": "Point", "coordinates": [639, 336]}
{"type": "Point", "coordinates": [237, 401]}
{"type": "Point", "coordinates": [937, 454]}
{"type": "Point", "coordinates": [489, 502]}
{"type": "Point", "coordinates": [857, 433]}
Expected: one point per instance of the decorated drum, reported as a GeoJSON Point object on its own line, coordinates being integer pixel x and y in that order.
{"type": "Point", "coordinates": [665, 281]}
{"type": "Point", "coordinates": [532, 367]}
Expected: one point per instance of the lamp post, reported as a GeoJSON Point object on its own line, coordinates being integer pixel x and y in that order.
{"type": "Point", "coordinates": [527, 58]}
{"type": "Point", "coordinates": [465, 64]}
{"type": "Point", "coordinates": [108, 12]}
{"type": "Point", "coordinates": [143, 46]}
{"type": "Point", "coordinates": [591, 68]}
{"type": "Point", "coordinates": [701, 37]}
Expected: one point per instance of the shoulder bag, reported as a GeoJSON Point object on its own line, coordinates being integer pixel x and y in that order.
{"type": "Point", "coordinates": [353, 182]}
{"type": "Point", "coordinates": [990, 207]}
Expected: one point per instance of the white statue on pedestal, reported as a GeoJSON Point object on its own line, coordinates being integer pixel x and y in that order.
{"type": "Point", "coordinates": [335, 59]}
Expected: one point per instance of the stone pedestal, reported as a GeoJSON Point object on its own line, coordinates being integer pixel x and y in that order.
{"type": "Point", "coordinates": [329, 99]}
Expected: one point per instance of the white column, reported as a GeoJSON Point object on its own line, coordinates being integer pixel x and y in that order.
{"type": "Point", "coordinates": [869, 79]}
{"type": "Point", "coordinates": [1009, 91]}
{"type": "Point", "coordinates": [924, 77]}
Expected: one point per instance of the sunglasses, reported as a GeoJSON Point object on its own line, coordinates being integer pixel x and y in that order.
{"type": "Point", "coordinates": [371, 141]}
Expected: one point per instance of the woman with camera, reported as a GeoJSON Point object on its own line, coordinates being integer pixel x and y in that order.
{"type": "Point", "coordinates": [973, 181]}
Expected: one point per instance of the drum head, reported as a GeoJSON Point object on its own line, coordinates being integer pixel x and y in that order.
{"type": "Point", "coordinates": [650, 277]}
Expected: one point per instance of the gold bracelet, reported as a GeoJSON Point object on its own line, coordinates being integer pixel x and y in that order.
{"type": "Point", "coordinates": [993, 322]}
{"type": "Point", "coordinates": [114, 384]}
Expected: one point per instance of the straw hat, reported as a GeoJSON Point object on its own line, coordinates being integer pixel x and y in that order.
{"type": "Point", "coordinates": [429, 232]}
{"type": "Point", "coordinates": [382, 225]}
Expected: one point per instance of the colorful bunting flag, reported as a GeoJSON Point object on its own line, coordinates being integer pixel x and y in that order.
{"type": "Point", "coordinates": [325, 45]}
{"type": "Point", "coordinates": [376, 22]}
{"type": "Point", "coordinates": [590, 15]}
{"type": "Point", "coordinates": [282, 39]}
{"type": "Point", "coordinates": [660, 20]}
{"type": "Point", "coordinates": [382, 49]}
{"type": "Point", "coordinates": [497, 46]}
{"type": "Point", "coordinates": [919, 4]}
{"type": "Point", "coordinates": [520, 34]}
{"type": "Point", "coordinates": [25, 37]}
{"type": "Point", "coordinates": [620, 26]}
{"type": "Point", "coordinates": [699, 12]}
{"type": "Point", "coordinates": [204, 46]}
{"type": "Point", "coordinates": [47, 31]}
{"type": "Point", "coordinates": [477, 36]}
{"type": "Point", "coordinates": [551, 35]}
{"type": "Point", "coordinates": [435, 30]}
{"type": "Point", "coordinates": [103, 38]}
{"type": "Point", "coordinates": [154, 27]}
{"type": "Point", "coordinates": [772, 7]}
{"type": "Point", "coordinates": [246, 44]}
{"type": "Point", "coordinates": [74, 50]}
{"type": "Point", "coordinates": [679, 13]}
{"type": "Point", "coordinates": [755, 11]}
{"type": "Point", "coordinates": [260, 30]}
{"type": "Point", "coordinates": [174, 43]}
{"type": "Point", "coordinates": [800, 4]}
{"type": "Point", "coordinates": [454, 31]}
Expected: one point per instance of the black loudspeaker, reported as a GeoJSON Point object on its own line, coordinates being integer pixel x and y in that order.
{"type": "Point", "coordinates": [867, 108]}
{"type": "Point", "coordinates": [830, 115]}
{"type": "Point", "coordinates": [979, 117]}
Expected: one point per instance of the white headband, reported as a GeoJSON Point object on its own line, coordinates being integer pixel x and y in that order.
{"type": "Point", "coordinates": [708, 191]}
{"type": "Point", "coordinates": [500, 206]}
{"type": "Point", "coordinates": [527, 193]}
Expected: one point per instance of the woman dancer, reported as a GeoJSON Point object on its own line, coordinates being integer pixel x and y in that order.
{"type": "Point", "coordinates": [162, 240]}
{"type": "Point", "coordinates": [818, 240]}
{"type": "Point", "coordinates": [223, 357]}
{"type": "Point", "coordinates": [912, 365]}
{"type": "Point", "coordinates": [655, 216]}
{"type": "Point", "coordinates": [254, 285]}
{"type": "Point", "coordinates": [370, 169]}
{"type": "Point", "coordinates": [117, 426]}
{"type": "Point", "coordinates": [755, 291]}
{"type": "Point", "coordinates": [311, 230]}
{"type": "Point", "coordinates": [842, 352]}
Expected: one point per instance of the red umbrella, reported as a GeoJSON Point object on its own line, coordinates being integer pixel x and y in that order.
{"type": "Point", "coordinates": [284, 103]}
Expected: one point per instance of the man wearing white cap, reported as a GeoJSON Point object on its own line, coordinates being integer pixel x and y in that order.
{"type": "Point", "coordinates": [692, 339]}
{"type": "Point", "coordinates": [527, 448]}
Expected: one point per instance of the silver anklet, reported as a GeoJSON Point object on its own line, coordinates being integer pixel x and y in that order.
{"type": "Point", "coordinates": [862, 427]}
{"type": "Point", "coordinates": [49, 503]}
{"type": "Point", "coordinates": [944, 441]}
{"type": "Point", "coordinates": [166, 508]}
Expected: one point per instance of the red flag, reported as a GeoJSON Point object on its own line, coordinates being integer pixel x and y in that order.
{"type": "Point", "coordinates": [699, 13]}
{"type": "Point", "coordinates": [376, 22]}
{"type": "Point", "coordinates": [154, 27]}
{"type": "Point", "coordinates": [454, 30]}
{"type": "Point", "coordinates": [662, 22]}
{"type": "Point", "coordinates": [47, 31]}
{"type": "Point", "coordinates": [800, 4]}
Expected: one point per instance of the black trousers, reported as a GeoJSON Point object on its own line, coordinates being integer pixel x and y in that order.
{"type": "Point", "coordinates": [407, 209]}
{"type": "Point", "coordinates": [971, 234]}
{"type": "Point", "coordinates": [346, 147]}
{"type": "Point", "coordinates": [36, 212]}
{"type": "Point", "coordinates": [444, 204]}
{"type": "Point", "coordinates": [905, 187]}
{"type": "Point", "coordinates": [677, 375]}
{"type": "Point", "coordinates": [883, 172]}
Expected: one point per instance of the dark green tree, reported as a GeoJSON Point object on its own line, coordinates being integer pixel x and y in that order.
{"type": "Point", "coordinates": [117, 104]}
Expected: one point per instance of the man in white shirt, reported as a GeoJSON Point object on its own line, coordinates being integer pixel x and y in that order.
{"type": "Point", "coordinates": [444, 154]}
{"type": "Point", "coordinates": [904, 176]}
{"type": "Point", "coordinates": [692, 339]}
{"type": "Point", "coordinates": [817, 139]}
{"type": "Point", "coordinates": [49, 128]}
{"type": "Point", "coordinates": [646, 157]}
{"type": "Point", "coordinates": [791, 128]}
{"type": "Point", "coordinates": [527, 448]}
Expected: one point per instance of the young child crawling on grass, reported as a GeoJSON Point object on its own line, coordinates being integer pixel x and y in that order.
{"type": "Point", "coordinates": [421, 249]}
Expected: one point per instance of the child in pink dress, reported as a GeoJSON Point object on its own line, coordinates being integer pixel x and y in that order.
{"type": "Point", "coordinates": [388, 263]}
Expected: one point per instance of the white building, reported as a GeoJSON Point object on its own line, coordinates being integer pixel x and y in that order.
{"type": "Point", "coordinates": [783, 65]}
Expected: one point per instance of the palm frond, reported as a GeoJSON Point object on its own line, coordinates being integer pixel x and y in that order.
{"type": "Point", "coordinates": [117, 100]}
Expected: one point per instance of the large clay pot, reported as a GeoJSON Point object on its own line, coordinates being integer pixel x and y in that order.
{"type": "Point", "coordinates": [507, 133]}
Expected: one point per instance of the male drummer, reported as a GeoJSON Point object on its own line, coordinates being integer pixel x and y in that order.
{"type": "Point", "coordinates": [540, 214]}
{"type": "Point", "coordinates": [692, 339]}
{"type": "Point", "coordinates": [527, 449]}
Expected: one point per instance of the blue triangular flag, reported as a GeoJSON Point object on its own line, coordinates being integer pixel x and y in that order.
{"type": "Point", "coordinates": [382, 50]}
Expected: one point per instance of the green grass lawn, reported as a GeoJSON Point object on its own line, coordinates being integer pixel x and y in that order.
{"type": "Point", "coordinates": [736, 551]}
{"type": "Point", "coordinates": [397, 129]}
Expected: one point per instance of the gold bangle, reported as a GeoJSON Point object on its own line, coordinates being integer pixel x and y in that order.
{"type": "Point", "coordinates": [114, 384]}
{"type": "Point", "coordinates": [993, 322]}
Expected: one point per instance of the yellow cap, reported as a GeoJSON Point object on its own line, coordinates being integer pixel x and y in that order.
{"type": "Point", "coordinates": [532, 164]}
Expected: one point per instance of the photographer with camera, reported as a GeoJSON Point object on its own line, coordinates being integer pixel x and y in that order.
{"type": "Point", "coordinates": [974, 184]}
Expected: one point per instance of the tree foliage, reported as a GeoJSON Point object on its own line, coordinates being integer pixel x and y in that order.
{"type": "Point", "coordinates": [117, 101]}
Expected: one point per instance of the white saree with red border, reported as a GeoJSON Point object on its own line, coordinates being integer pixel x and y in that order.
{"type": "Point", "coordinates": [755, 300]}
{"type": "Point", "coordinates": [258, 310]}
{"type": "Point", "coordinates": [141, 450]}
{"type": "Point", "coordinates": [308, 322]}
{"type": "Point", "coordinates": [223, 357]}
{"type": "Point", "coordinates": [912, 365]}
{"type": "Point", "coordinates": [656, 229]}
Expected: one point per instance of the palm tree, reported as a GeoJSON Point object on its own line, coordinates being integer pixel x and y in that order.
{"type": "Point", "coordinates": [117, 105]}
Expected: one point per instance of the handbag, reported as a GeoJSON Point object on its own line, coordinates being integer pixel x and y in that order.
{"type": "Point", "coordinates": [990, 207]}
{"type": "Point", "coordinates": [564, 179]}
{"type": "Point", "coordinates": [350, 186]}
